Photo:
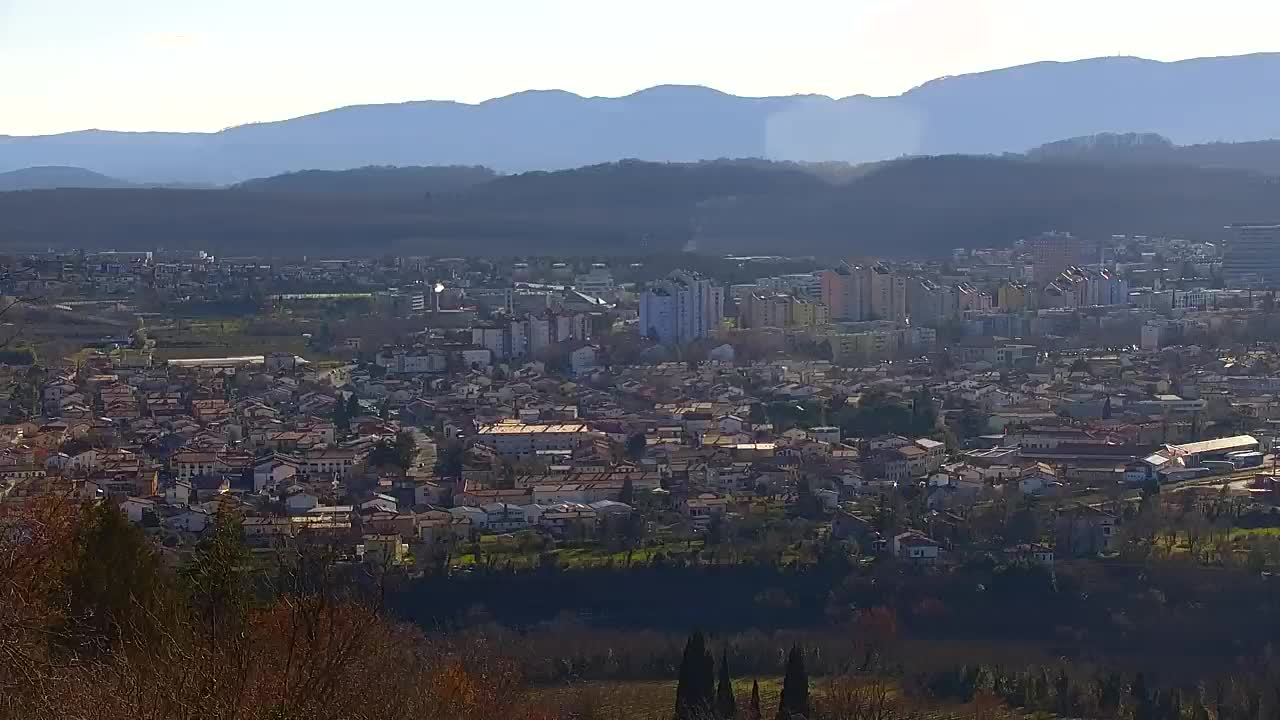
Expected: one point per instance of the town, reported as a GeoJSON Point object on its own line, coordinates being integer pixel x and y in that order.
{"type": "Point", "coordinates": [544, 411]}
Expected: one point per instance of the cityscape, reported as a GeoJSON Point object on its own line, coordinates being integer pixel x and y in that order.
{"type": "Point", "coordinates": [1061, 403]}
{"type": "Point", "coordinates": [579, 361]}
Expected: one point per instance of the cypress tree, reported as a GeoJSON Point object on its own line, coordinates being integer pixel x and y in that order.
{"type": "Point", "coordinates": [753, 710]}
{"type": "Point", "coordinates": [1141, 698]}
{"type": "Point", "coordinates": [726, 703]}
{"type": "Point", "coordinates": [696, 686]}
{"type": "Point", "coordinates": [795, 687]}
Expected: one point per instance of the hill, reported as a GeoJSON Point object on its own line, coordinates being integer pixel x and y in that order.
{"type": "Point", "coordinates": [915, 206]}
{"type": "Point", "coordinates": [388, 180]}
{"type": "Point", "coordinates": [48, 178]}
{"type": "Point", "coordinates": [1191, 102]}
{"type": "Point", "coordinates": [1262, 156]}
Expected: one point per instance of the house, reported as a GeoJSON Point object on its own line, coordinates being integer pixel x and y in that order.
{"type": "Point", "coordinates": [569, 520]}
{"type": "Point", "coordinates": [326, 463]}
{"type": "Point", "coordinates": [300, 502]}
{"type": "Point", "coordinates": [181, 494]}
{"type": "Point", "coordinates": [383, 550]}
{"type": "Point", "coordinates": [504, 517]}
{"type": "Point", "coordinates": [915, 548]}
{"type": "Point", "coordinates": [935, 453]}
{"type": "Point", "coordinates": [826, 434]}
{"type": "Point", "coordinates": [1030, 553]}
{"type": "Point", "coordinates": [583, 360]}
{"type": "Point", "coordinates": [1085, 530]}
{"type": "Point", "coordinates": [385, 503]}
{"type": "Point", "coordinates": [266, 529]}
{"type": "Point", "coordinates": [193, 520]}
{"type": "Point", "coordinates": [437, 528]}
{"type": "Point", "coordinates": [137, 509]}
{"type": "Point", "coordinates": [848, 525]}
{"type": "Point", "coordinates": [702, 508]}
{"type": "Point", "coordinates": [273, 470]}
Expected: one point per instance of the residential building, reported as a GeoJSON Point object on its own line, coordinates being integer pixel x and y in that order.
{"type": "Point", "coordinates": [1052, 253]}
{"type": "Point", "coordinates": [1251, 258]}
{"type": "Point", "coordinates": [681, 308]}
{"type": "Point", "coordinates": [514, 439]}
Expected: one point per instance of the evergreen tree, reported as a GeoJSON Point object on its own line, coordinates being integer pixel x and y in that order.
{"type": "Point", "coordinates": [1062, 694]}
{"type": "Point", "coordinates": [794, 700]}
{"type": "Point", "coordinates": [1141, 698]}
{"type": "Point", "coordinates": [628, 493]}
{"type": "Point", "coordinates": [115, 588]}
{"type": "Point", "coordinates": [353, 407]}
{"type": "Point", "coordinates": [726, 703]}
{"type": "Point", "coordinates": [753, 710]}
{"type": "Point", "coordinates": [217, 578]}
{"type": "Point", "coordinates": [341, 420]}
{"type": "Point", "coordinates": [636, 444]}
{"type": "Point", "coordinates": [696, 686]}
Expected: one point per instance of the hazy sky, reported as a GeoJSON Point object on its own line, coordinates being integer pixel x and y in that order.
{"type": "Point", "coordinates": [207, 64]}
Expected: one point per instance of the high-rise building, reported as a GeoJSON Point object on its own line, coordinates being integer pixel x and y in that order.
{"type": "Point", "coordinates": [779, 310]}
{"type": "Point", "coordinates": [888, 294]}
{"type": "Point", "coordinates": [766, 309]}
{"type": "Point", "coordinates": [846, 291]}
{"type": "Point", "coordinates": [1013, 297]}
{"type": "Point", "coordinates": [681, 308]}
{"type": "Point", "coordinates": [1252, 256]}
{"type": "Point", "coordinates": [929, 302]}
{"type": "Point", "coordinates": [1052, 253]}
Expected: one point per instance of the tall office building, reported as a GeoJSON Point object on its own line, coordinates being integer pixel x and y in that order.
{"type": "Point", "coordinates": [1052, 253]}
{"type": "Point", "coordinates": [681, 308]}
{"type": "Point", "coordinates": [1252, 256]}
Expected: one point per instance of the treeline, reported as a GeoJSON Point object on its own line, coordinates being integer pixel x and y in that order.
{"type": "Point", "coordinates": [923, 205]}
{"type": "Point", "coordinates": [1065, 692]}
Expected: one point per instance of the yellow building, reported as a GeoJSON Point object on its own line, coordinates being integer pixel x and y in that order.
{"type": "Point", "coordinates": [1013, 297]}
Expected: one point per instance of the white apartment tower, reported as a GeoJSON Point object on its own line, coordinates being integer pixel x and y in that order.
{"type": "Point", "coordinates": [681, 308]}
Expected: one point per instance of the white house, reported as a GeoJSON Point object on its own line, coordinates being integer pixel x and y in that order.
{"type": "Point", "coordinates": [915, 548]}
{"type": "Point", "coordinates": [300, 502]}
{"type": "Point", "coordinates": [135, 509]}
{"type": "Point", "coordinates": [180, 494]}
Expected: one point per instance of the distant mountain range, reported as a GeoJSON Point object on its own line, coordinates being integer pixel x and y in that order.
{"type": "Point", "coordinates": [914, 206]}
{"type": "Point", "coordinates": [1228, 99]}
{"type": "Point", "coordinates": [386, 180]}
{"type": "Point", "coordinates": [51, 178]}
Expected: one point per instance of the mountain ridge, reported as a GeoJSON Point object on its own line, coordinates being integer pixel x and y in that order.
{"type": "Point", "coordinates": [1007, 110]}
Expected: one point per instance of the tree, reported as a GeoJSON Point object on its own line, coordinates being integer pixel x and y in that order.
{"type": "Point", "coordinates": [806, 502]}
{"type": "Point", "coordinates": [1141, 697]}
{"type": "Point", "coordinates": [636, 444]}
{"type": "Point", "coordinates": [217, 578]}
{"type": "Point", "coordinates": [794, 700]}
{"type": "Point", "coordinates": [696, 684]}
{"type": "Point", "coordinates": [628, 493]}
{"type": "Point", "coordinates": [726, 704]}
{"type": "Point", "coordinates": [353, 406]}
{"type": "Point", "coordinates": [924, 412]}
{"type": "Point", "coordinates": [341, 420]}
{"type": "Point", "coordinates": [753, 711]}
{"type": "Point", "coordinates": [114, 585]}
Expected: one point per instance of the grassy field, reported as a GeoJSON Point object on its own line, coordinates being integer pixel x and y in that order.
{"type": "Point", "coordinates": [649, 699]}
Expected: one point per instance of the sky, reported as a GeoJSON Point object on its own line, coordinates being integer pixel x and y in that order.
{"type": "Point", "coordinates": [201, 65]}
